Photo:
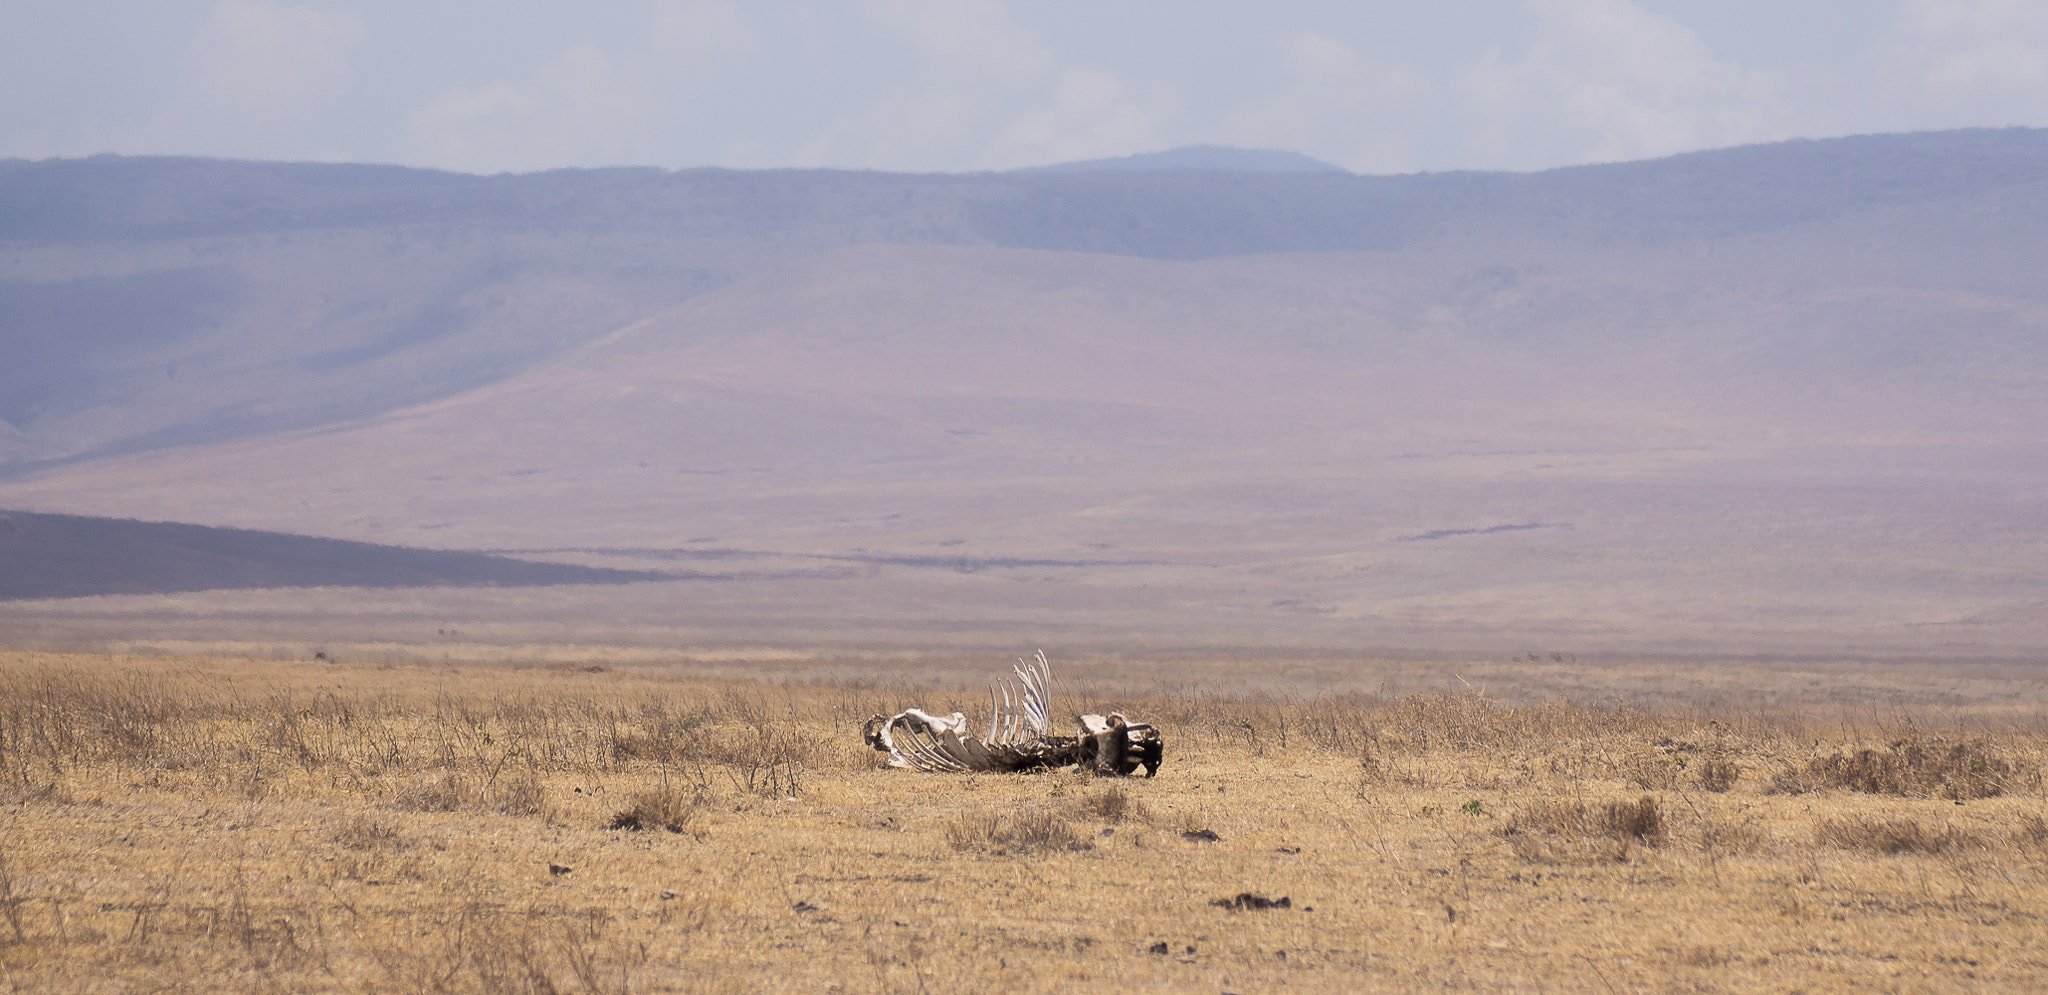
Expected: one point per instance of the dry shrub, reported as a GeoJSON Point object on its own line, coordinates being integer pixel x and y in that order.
{"type": "Point", "coordinates": [663, 808]}
{"type": "Point", "coordinates": [477, 949]}
{"type": "Point", "coordinates": [1371, 769]}
{"type": "Point", "coordinates": [1195, 822]}
{"type": "Point", "coordinates": [659, 736]}
{"type": "Point", "coordinates": [1462, 719]}
{"type": "Point", "coordinates": [760, 757]}
{"type": "Point", "coordinates": [2030, 834]}
{"type": "Point", "coordinates": [369, 834]}
{"type": "Point", "coordinates": [1900, 835]}
{"type": "Point", "coordinates": [524, 795]}
{"type": "Point", "coordinates": [1718, 774]}
{"type": "Point", "coordinates": [11, 903]}
{"type": "Point", "coordinates": [1718, 836]}
{"type": "Point", "coordinates": [602, 963]}
{"type": "Point", "coordinates": [507, 960]}
{"type": "Point", "coordinates": [454, 791]}
{"type": "Point", "coordinates": [1557, 818]}
{"type": "Point", "coordinates": [1653, 771]}
{"type": "Point", "coordinates": [1549, 830]}
{"type": "Point", "coordinates": [1912, 766]}
{"type": "Point", "coordinates": [1115, 805]}
{"type": "Point", "coordinates": [1639, 819]}
{"type": "Point", "coordinates": [73, 716]}
{"type": "Point", "coordinates": [1029, 831]}
{"type": "Point", "coordinates": [451, 792]}
{"type": "Point", "coordinates": [1378, 768]}
{"type": "Point", "coordinates": [767, 760]}
{"type": "Point", "coordinates": [501, 952]}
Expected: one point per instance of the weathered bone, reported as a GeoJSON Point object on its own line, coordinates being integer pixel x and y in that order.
{"type": "Point", "coordinates": [1019, 734]}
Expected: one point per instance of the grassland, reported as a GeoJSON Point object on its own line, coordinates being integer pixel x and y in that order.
{"type": "Point", "coordinates": [221, 824]}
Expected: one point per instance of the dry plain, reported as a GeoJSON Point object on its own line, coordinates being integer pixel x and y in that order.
{"type": "Point", "coordinates": [218, 823]}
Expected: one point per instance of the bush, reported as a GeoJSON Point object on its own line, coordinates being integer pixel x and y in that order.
{"type": "Point", "coordinates": [1913, 766]}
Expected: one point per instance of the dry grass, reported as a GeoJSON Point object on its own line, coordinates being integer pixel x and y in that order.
{"type": "Point", "coordinates": [662, 808]}
{"type": "Point", "coordinates": [1114, 804]}
{"type": "Point", "coordinates": [1894, 835]}
{"type": "Point", "coordinates": [1915, 766]}
{"type": "Point", "coordinates": [1019, 831]}
{"type": "Point", "coordinates": [246, 826]}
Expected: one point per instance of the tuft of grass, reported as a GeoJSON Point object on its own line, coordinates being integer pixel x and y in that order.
{"type": "Point", "coordinates": [1557, 830]}
{"type": "Point", "coordinates": [451, 792]}
{"type": "Point", "coordinates": [1026, 831]}
{"type": "Point", "coordinates": [1719, 774]}
{"type": "Point", "coordinates": [2030, 834]}
{"type": "Point", "coordinates": [1195, 822]}
{"type": "Point", "coordinates": [662, 808]}
{"type": "Point", "coordinates": [364, 833]}
{"type": "Point", "coordinates": [1892, 836]}
{"type": "Point", "coordinates": [1654, 771]}
{"type": "Point", "coordinates": [1115, 804]}
{"type": "Point", "coordinates": [525, 795]}
{"type": "Point", "coordinates": [1640, 820]}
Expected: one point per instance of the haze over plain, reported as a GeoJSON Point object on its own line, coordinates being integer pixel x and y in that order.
{"type": "Point", "coordinates": [1772, 399]}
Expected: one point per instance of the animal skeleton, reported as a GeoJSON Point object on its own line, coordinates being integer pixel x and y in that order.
{"type": "Point", "coordinates": [1019, 734]}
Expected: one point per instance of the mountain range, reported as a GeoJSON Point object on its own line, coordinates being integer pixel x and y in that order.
{"type": "Point", "coordinates": [1776, 399]}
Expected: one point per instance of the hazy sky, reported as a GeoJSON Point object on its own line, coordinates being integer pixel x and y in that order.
{"type": "Point", "coordinates": [949, 85]}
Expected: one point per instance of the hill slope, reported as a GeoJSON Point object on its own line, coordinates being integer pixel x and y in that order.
{"type": "Point", "coordinates": [1776, 399]}
{"type": "Point", "coordinates": [1324, 450]}
{"type": "Point", "coordinates": [68, 556]}
{"type": "Point", "coordinates": [149, 302]}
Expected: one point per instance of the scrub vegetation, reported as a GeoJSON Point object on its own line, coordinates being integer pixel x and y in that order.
{"type": "Point", "coordinates": [218, 824]}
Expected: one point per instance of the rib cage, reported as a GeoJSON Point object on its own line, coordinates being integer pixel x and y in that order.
{"type": "Point", "coordinates": [1019, 737]}
{"type": "Point", "coordinates": [1026, 704]}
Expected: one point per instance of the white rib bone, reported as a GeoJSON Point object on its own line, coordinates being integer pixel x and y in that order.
{"type": "Point", "coordinates": [1020, 734]}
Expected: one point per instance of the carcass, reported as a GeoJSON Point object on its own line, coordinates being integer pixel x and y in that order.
{"type": "Point", "coordinates": [1019, 737]}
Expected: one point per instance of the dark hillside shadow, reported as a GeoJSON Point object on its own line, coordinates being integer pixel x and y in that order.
{"type": "Point", "coordinates": [69, 556]}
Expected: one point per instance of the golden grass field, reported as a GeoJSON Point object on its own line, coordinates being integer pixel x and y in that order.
{"type": "Point", "coordinates": [176, 824]}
